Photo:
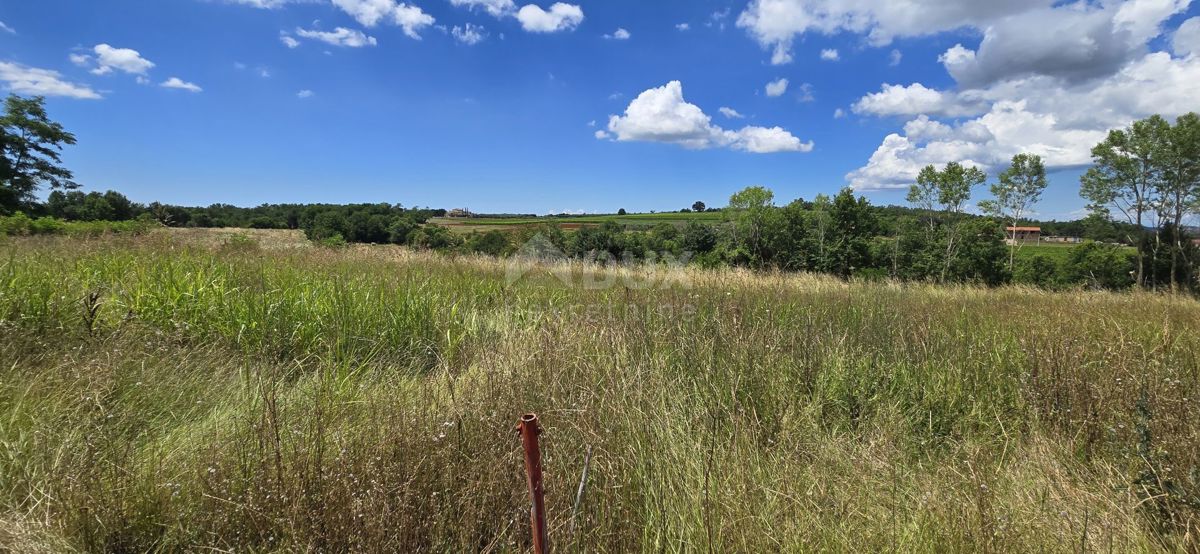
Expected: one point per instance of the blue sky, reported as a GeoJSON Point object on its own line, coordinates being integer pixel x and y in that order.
{"type": "Point", "coordinates": [375, 100]}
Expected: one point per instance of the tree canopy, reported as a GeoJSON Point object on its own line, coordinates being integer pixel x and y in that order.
{"type": "Point", "coordinates": [30, 152]}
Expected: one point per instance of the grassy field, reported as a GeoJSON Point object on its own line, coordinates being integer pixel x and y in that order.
{"type": "Point", "coordinates": [574, 222]}
{"type": "Point", "coordinates": [159, 393]}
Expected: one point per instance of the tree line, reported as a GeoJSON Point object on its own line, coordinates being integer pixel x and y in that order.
{"type": "Point", "coordinates": [1144, 184]}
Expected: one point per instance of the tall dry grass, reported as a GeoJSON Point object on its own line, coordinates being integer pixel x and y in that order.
{"type": "Point", "coordinates": [157, 394]}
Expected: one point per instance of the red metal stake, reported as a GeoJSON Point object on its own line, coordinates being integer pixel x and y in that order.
{"type": "Point", "coordinates": [529, 430]}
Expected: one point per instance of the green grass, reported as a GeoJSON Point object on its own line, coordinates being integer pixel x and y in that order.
{"type": "Point", "coordinates": [160, 395]}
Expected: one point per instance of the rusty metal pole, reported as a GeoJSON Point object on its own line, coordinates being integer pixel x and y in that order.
{"type": "Point", "coordinates": [529, 430]}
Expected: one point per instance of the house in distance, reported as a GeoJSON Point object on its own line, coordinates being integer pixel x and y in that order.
{"type": "Point", "coordinates": [1023, 235]}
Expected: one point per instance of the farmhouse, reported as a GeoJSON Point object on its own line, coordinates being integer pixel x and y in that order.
{"type": "Point", "coordinates": [1023, 235]}
{"type": "Point", "coordinates": [459, 212]}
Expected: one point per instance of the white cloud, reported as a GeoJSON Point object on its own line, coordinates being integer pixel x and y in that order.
{"type": "Point", "coordinates": [340, 36]}
{"type": "Point", "coordinates": [288, 41]}
{"type": "Point", "coordinates": [81, 60]}
{"type": "Point", "coordinates": [761, 140]}
{"type": "Point", "coordinates": [619, 34]}
{"type": "Point", "coordinates": [560, 17]}
{"type": "Point", "coordinates": [781, 56]}
{"type": "Point", "coordinates": [602, 135]}
{"type": "Point", "coordinates": [777, 23]}
{"type": "Point", "coordinates": [371, 12]}
{"type": "Point", "coordinates": [895, 57]}
{"type": "Point", "coordinates": [177, 83]}
{"type": "Point", "coordinates": [1055, 118]}
{"type": "Point", "coordinates": [683, 26]}
{"type": "Point", "coordinates": [122, 59]}
{"type": "Point", "coordinates": [914, 99]}
{"type": "Point", "coordinates": [830, 55]}
{"type": "Point", "coordinates": [23, 79]}
{"type": "Point", "coordinates": [777, 87]}
{"type": "Point", "coordinates": [497, 8]}
{"type": "Point", "coordinates": [411, 19]}
{"type": "Point", "coordinates": [806, 93]}
{"type": "Point", "coordinates": [367, 12]}
{"type": "Point", "coordinates": [839, 113]}
{"type": "Point", "coordinates": [469, 33]}
{"type": "Point", "coordinates": [7, 29]}
{"type": "Point", "coordinates": [1186, 39]}
{"type": "Point", "coordinates": [662, 115]}
{"type": "Point", "coordinates": [1073, 41]}
{"type": "Point", "coordinates": [730, 113]}
{"type": "Point", "coordinates": [305, 94]}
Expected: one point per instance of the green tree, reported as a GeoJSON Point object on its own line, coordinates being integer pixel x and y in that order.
{"type": "Point", "coordinates": [698, 206]}
{"type": "Point", "coordinates": [1125, 174]}
{"type": "Point", "coordinates": [948, 190]}
{"type": "Point", "coordinates": [853, 225]}
{"type": "Point", "coordinates": [30, 147]}
{"type": "Point", "coordinates": [1038, 270]}
{"type": "Point", "coordinates": [1019, 187]}
{"type": "Point", "coordinates": [621, 211]}
{"type": "Point", "coordinates": [491, 243]}
{"type": "Point", "coordinates": [1098, 265]}
{"type": "Point", "coordinates": [698, 238]}
{"type": "Point", "coordinates": [751, 211]}
{"type": "Point", "coordinates": [1179, 188]}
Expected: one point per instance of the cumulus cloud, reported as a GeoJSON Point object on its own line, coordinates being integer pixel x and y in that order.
{"type": "Point", "coordinates": [495, 7]}
{"type": "Point", "coordinates": [915, 99]}
{"type": "Point", "coordinates": [370, 13]}
{"type": "Point", "coordinates": [730, 113]}
{"type": "Point", "coordinates": [619, 34]}
{"type": "Point", "coordinates": [662, 115]}
{"type": "Point", "coordinates": [775, 24]}
{"type": "Point", "coordinates": [468, 34]}
{"type": "Point", "coordinates": [830, 55]}
{"type": "Point", "coordinates": [305, 94]}
{"type": "Point", "coordinates": [683, 27]}
{"type": "Point", "coordinates": [839, 113]}
{"type": "Point", "coordinates": [288, 41]}
{"type": "Point", "coordinates": [560, 17]}
{"type": "Point", "coordinates": [108, 59]}
{"type": "Point", "coordinates": [177, 83]}
{"type": "Point", "coordinates": [1074, 41]}
{"type": "Point", "coordinates": [1186, 39]}
{"type": "Point", "coordinates": [1054, 118]}
{"type": "Point", "coordinates": [777, 87]}
{"type": "Point", "coordinates": [895, 57]}
{"type": "Point", "coordinates": [23, 79]}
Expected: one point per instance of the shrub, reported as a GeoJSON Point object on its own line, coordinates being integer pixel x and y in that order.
{"type": "Point", "coordinates": [1037, 270]}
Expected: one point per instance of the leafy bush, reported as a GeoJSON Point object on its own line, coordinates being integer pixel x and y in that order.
{"type": "Point", "coordinates": [1038, 270]}
{"type": "Point", "coordinates": [20, 224]}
